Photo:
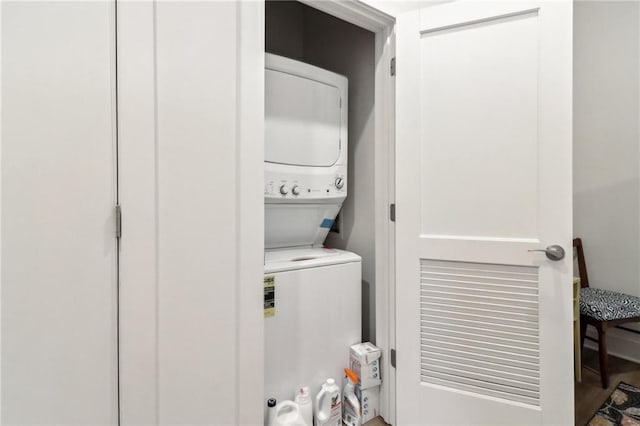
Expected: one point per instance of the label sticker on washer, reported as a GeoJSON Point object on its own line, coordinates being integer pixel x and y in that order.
{"type": "Point", "coordinates": [326, 223]}
{"type": "Point", "coordinates": [269, 296]}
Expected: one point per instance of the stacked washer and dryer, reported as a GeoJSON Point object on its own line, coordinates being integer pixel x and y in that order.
{"type": "Point", "coordinates": [312, 293]}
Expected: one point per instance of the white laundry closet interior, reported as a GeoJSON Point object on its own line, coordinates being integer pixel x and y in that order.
{"type": "Point", "coordinates": [338, 290]}
{"type": "Point", "coordinates": [300, 32]}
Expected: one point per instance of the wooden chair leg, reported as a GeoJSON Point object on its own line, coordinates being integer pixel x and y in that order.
{"type": "Point", "coordinates": [602, 351]}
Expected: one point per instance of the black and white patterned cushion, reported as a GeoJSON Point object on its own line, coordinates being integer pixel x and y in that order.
{"type": "Point", "coordinates": [605, 305]}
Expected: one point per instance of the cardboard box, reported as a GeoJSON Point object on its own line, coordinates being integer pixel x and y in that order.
{"type": "Point", "coordinates": [364, 360]}
{"type": "Point", "coordinates": [369, 402]}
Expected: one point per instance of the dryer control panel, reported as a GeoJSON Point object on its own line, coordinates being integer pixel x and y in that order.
{"type": "Point", "coordinates": [319, 187]}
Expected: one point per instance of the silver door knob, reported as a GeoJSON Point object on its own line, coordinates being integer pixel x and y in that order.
{"type": "Point", "coordinates": [554, 252]}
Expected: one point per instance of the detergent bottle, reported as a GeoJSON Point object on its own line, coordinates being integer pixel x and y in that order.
{"type": "Point", "coordinates": [271, 411]}
{"type": "Point", "coordinates": [350, 405]}
{"type": "Point", "coordinates": [303, 399]}
{"type": "Point", "coordinates": [288, 413]}
{"type": "Point", "coordinates": [329, 405]}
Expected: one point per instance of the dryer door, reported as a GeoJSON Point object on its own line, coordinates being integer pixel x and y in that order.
{"type": "Point", "coordinates": [302, 120]}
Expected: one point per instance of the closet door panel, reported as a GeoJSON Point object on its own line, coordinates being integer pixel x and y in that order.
{"type": "Point", "coordinates": [190, 106]}
{"type": "Point", "coordinates": [59, 300]}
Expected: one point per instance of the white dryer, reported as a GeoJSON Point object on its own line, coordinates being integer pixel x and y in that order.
{"type": "Point", "coordinates": [305, 151]}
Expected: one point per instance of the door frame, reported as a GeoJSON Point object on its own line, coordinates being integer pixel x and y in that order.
{"type": "Point", "coordinates": [383, 26]}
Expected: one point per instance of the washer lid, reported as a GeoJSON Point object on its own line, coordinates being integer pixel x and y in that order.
{"type": "Point", "coordinates": [303, 258]}
{"type": "Point", "coordinates": [302, 120]}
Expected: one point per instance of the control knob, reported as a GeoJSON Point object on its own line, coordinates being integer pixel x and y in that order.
{"type": "Point", "coordinates": [284, 190]}
{"type": "Point", "coordinates": [339, 182]}
{"type": "Point", "coordinates": [295, 190]}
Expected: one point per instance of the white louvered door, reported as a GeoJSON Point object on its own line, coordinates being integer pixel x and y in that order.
{"type": "Point", "coordinates": [471, 316]}
{"type": "Point", "coordinates": [483, 136]}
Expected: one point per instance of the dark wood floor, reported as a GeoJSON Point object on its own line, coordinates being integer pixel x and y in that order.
{"type": "Point", "coordinates": [589, 394]}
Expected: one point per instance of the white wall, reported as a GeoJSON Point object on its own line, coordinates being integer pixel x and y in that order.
{"type": "Point", "coordinates": [58, 195]}
{"type": "Point", "coordinates": [606, 168]}
{"type": "Point", "coordinates": [191, 140]}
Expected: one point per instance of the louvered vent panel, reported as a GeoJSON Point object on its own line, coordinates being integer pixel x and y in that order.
{"type": "Point", "coordinates": [479, 329]}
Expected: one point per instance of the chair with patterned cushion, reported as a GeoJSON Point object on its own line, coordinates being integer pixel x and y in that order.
{"type": "Point", "coordinates": [602, 309]}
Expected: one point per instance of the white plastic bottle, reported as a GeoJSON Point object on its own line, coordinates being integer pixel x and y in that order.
{"type": "Point", "coordinates": [350, 405]}
{"type": "Point", "coordinates": [288, 414]}
{"type": "Point", "coordinates": [271, 411]}
{"type": "Point", "coordinates": [303, 399]}
{"type": "Point", "coordinates": [329, 405]}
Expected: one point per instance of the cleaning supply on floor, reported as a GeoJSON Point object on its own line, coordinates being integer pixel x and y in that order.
{"type": "Point", "coordinates": [369, 402]}
{"type": "Point", "coordinates": [287, 413]}
{"type": "Point", "coordinates": [303, 399]}
{"type": "Point", "coordinates": [364, 360]}
{"type": "Point", "coordinates": [329, 405]}
{"type": "Point", "coordinates": [350, 405]}
{"type": "Point", "coordinates": [271, 411]}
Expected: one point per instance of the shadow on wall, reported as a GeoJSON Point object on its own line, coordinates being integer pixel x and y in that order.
{"type": "Point", "coordinates": [368, 310]}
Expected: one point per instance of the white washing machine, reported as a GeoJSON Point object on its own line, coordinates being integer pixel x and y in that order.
{"type": "Point", "coordinates": [312, 294]}
{"type": "Point", "coordinates": [316, 317]}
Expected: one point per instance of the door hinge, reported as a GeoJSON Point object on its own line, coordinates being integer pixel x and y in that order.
{"type": "Point", "coordinates": [118, 221]}
{"type": "Point", "coordinates": [393, 66]}
{"type": "Point", "coordinates": [392, 212]}
{"type": "Point", "coordinates": [392, 358]}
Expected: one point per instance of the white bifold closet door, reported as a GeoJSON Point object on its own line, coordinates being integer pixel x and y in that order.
{"type": "Point", "coordinates": [59, 300]}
